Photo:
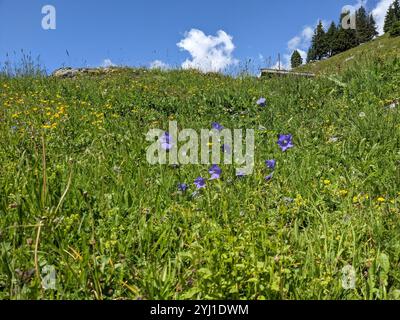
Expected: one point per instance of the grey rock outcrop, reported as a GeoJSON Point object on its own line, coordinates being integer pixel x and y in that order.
{"type": "Point", "coordinates": [69, 72]}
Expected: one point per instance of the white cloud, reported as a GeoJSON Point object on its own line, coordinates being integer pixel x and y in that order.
{"type": "Point", "coordinates": [107, 63]}
{"type": "Point", "coordinates": [304, 39]}
{"type": "Point", "coordinates": [158, 64]}
{"type": "Point", "coordinates": [303, 54]}
{"type": "Point", "coordinates": [208, 53]}
{"type": "Point", "coordinates": [307, 33]}
{"type": "Point", "coordinates": [294, 43]}
{"type": "Point", "coordinates": [360, 3]}
{"type": "Point", "coordinates": [379, 13]}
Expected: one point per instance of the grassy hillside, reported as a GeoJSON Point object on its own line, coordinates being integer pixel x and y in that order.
{"type": "Point", "coordinates": [378, 50]}
{"type": "Point", "coordinates": [77, 194]}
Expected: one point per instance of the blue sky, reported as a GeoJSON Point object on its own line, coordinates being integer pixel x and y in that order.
{"type": "Point", "coordinates": [137, 33]}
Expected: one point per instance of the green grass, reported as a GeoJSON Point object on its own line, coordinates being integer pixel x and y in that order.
{"type": "Point", "coordinates": [381, 49]}
{"type": "Point", "coordinates": [77, 193]}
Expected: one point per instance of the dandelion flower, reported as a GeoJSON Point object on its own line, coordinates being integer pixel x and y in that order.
{"type": "Point", "coordinates": [381, 200]}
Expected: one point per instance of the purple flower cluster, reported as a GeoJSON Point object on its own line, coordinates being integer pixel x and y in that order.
{"type": "Point", "coordinates": [240, 174]}
{"type": "Point", "coordinates": [215, 172]}
{"type": "Point", "coordinates": [226, 148]}
{"type": "Point", "coordinates": [269, 177]}
{"type": "Point", "coordinates": [262, 102]}
{"type": "Point", "coordinates": [182, 187]}
{"type": "Point", "coordinates": [166, 141]}
{"type": "Point", "coordinates": [217, 126]}
{"type": "Point", "coordinates": [200, 183]}
{"type": "Point", "coordinates": [271, 164]}
{"type": "Point", "coordinates": [285, 142]}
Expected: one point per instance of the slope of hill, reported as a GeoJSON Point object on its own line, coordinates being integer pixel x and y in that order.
{"type": "Point", "coordinates": [377, 50]}
{"type": "Point", "coordinates": [82, 208]}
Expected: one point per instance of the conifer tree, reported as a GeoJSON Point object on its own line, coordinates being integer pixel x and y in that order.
{"type": "Point", "coordinates": [396, 6]}
{"type": "Point", "coordinates": [372, 32]}
{"type": "Point", "coordinates": [362, 26]}
{"type": "Point", "coordinates": [390, 19]}
{"type": "Point", "coordinates": [296, 59]}
{"type": "Point", "coordinates": [395, 30]}
{"type": "Point", "coordinates": [395, 27]}
{"type": "Point", "coordinates": [311, 56]}
{"type": "Point", "coordinates": [318, 49]}
{"type": "Point", "coordinates": [331, 36]}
